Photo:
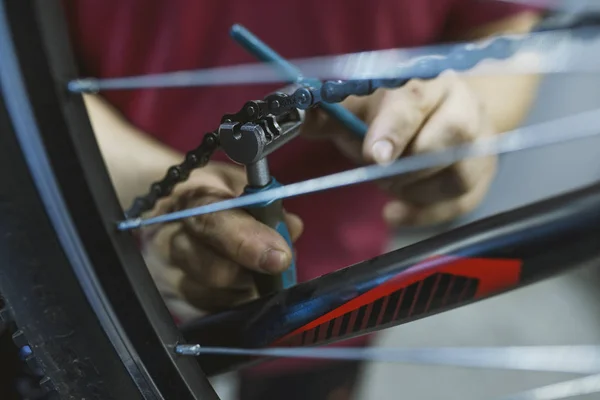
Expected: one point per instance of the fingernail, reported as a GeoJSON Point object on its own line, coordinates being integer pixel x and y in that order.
{"type": "Point", "coordinates": [274, 261]}
{"type": "Point", "coordinates": [382, 151]}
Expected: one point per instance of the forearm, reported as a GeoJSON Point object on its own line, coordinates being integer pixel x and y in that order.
{"type": "Point", "coordinates": [133, 159]}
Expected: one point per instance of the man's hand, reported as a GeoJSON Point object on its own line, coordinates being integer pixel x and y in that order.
{"type": "Point", "coordinates": [430, 115]}
{"type": "Point", "coordinates": [420, 117]}
{"type": "Point", "coordinates": [206, 259]}
{"type": "Point", "coordinates": [203, 260]}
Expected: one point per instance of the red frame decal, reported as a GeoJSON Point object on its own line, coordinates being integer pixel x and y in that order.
{"type": "Point", "coordinates": [481, 277]}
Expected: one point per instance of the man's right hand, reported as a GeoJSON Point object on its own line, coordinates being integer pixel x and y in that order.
{"type": "Point", "coordinates": [206, 259]}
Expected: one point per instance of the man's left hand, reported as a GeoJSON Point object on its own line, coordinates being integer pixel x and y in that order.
{"type": "Point", "coordinates": [420, 117]}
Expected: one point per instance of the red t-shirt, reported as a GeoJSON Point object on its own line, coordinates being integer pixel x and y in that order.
{"type": "Point", "coordinates": [129, 37]}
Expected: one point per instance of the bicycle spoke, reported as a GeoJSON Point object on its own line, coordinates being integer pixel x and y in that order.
{"type": "Point", "coordinates": [557, 131]}
{"type": "Point", "coordinates": [567, 359]}
{"type": "Point", "coordinates": [562, 390]}
{"type": "Point", "coordinates": [570, 6]}
{"type": "Point", "coordinates": [550, 52]}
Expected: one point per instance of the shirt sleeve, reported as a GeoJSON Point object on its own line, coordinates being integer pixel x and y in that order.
{"type": "Point", "coordinates": [465, 15]}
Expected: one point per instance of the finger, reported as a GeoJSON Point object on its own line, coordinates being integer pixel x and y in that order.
{"type": "Point", "coordinates": [210, 180]}
{"type": "Point", "coordinates": [156, 251]}
{"type": "Point", "coordinates": [158, 238]}
{"type": "Point", "coordinates": [205, 266]}
{"type": "Point", "coordinates": [399, 213]}
{"type": "Point", "coordinates": [236, 235]}
{"type": "Point", "coordinates": [212, 299]}
{"type": "Point", "coordinates": [318, 125]}
{"type": "Point", "coordinates": [401, 114]}
{"type": "Point", "coordinates": [457, 120]}
{"type": "Point", "coordinates": [450, 183]}
{"type": "Point", "coordinates": [294, 224]}
{"type": "Point", "coordinates": [396, 212]}
{"type": "Point", "coordinates": [396, 183]}
{"type": "Point", "coordinates": [233, 176]}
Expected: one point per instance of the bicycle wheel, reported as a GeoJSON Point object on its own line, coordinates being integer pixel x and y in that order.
{"type": "Point", "coordinates": [98, 330]}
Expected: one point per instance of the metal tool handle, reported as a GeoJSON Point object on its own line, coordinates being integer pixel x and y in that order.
{"type": "Point", "coordinates": [271, 214]}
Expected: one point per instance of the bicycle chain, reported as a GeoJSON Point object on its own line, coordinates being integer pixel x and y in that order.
{"type": "Point", "coordinates": [462, 58]}
{"type": "Point", "coordinates": [196, 158]}
{"type": "Point", "coordinates": [258, 111]}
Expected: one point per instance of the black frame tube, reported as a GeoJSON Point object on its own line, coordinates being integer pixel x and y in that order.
{"type": "Point", "coordinates": [482, 259]}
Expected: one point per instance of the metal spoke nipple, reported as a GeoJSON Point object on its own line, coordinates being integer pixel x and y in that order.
{"type": "Point", "coordinates": [84, 86]}
{"type": "Point", "coordinates": [188, 349]}
{"type": "Point", "coordinates": [129, 224]}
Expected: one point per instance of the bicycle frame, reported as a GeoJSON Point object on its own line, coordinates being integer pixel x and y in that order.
{"type": "Point", "coordinates": [467, 264]}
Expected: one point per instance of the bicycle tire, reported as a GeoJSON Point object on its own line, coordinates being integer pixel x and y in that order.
{"type": "Point", "coordinates": [98, 330]}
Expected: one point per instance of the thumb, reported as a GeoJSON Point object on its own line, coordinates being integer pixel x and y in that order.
{"type": "Point", "coordinates": [399, 118]}
{"type": "Point", "coordinates": [400, 213]}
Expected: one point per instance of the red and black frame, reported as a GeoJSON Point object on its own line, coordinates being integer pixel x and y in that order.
{"type": "Point", "coordinates": [467, 264]}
